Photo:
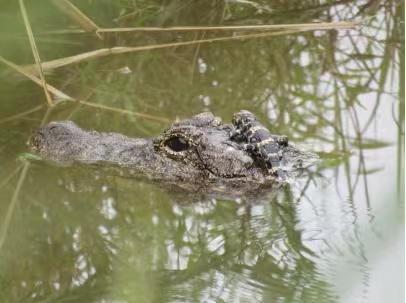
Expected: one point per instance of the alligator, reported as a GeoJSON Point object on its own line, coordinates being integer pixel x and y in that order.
{"type": "Point", "coordinates": [196, 153]}
{"type": "Point", "coordinates": [266, 148]}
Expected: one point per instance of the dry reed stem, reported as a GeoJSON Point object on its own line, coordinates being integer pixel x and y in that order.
{"type": "Point", "coordinates": [124, 111]}
{"type": "Point", "coordinates": [35, 51]}
{"type": "Point", "coordinates": [69, 9]}
{"type": "Point", "coordinates": [299, 26]}
{"type": "Point", "coordinates": [10, 176]}
{"type": "Point", "coordinates": [53, 64]}
{"type": "Point", "coordinates": [35, 79]}
{"type": "Point", "coordinates": [267, 27]}
{"type": "Point", "coordinates": [46, 115]}
{"type": "Point", "coordinates": [57, 92]}
{"type": "Point", "coordinates": [9, 214]}
{"type": "Point", "coordinates": [22, 114]}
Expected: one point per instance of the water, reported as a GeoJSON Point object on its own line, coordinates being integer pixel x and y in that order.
{"type": "Point", "coordinates": [335, 235]}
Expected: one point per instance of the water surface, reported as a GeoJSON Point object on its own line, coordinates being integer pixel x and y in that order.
{"type": "Point", "coordinates": [334, 235]}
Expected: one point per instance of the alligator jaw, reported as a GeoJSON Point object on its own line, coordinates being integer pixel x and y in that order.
{"type": "Point", "coordinates": [65, 144]}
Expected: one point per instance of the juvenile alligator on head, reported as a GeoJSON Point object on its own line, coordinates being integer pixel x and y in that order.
{"type": "Point", "coordinates": [266, 148]}
{"type": "Point", "coordinates": [201, 151]}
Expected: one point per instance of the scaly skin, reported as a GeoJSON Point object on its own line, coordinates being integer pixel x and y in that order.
{"type": "Point", "coordinates": [195, 151]}
{"type": "Point", "coordinates": [266, 148]}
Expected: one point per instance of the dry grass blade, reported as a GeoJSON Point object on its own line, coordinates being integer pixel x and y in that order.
{"type": "Point", "coordinates": [46, 115]}
{"type": "Point", "coordinates": [53, 64]}
{"type": "Point", "coordinates": [13, 173]}
{"type": "Point", "coordinates": [35, 51]}
{"type": "Point", "coordinates": [66, 7]}
{"type": "Point", "coordinates": [296, 28]}
{"type": "Point", "coordinates": [49, 87]}
{"type": "Point", "coordinates": [49, 65]}
{"type": "Point", "coordinates": [13, 203]}
{"type": "Point", "coordinates": [68, 98]}
{"type": "Point", "coordinates": [22, 114]}
{"type": "Point", "coordinates": [268, 27]}
{"type": "Point", "coordinates": [299, 26]}
{"type": "Point", "coordinates": [124, 111]}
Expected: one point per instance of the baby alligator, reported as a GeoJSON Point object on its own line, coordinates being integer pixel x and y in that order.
{"type": "Point", "coordinates": [265, 148]}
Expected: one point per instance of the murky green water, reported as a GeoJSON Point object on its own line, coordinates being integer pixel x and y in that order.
{"type": "Point", "coordinates": [335, 235]}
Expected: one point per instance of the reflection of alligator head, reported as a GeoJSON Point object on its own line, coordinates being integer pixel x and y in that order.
{"type": "Point", "coordinates": [195, 151]}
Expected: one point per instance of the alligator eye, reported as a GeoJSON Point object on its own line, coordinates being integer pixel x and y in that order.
{"type": "Point", "coordinates": [177, 144]}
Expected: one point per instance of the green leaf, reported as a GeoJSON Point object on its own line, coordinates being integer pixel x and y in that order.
{"type": "Point", "coordinates": [333, 158]}
{"type": "Point", "coordinates": [28, 157]}
{"type": "Point", "coordinates": [372, 171]}
{"type": "Point", "coordinates": [371, 144]}
{"type": "Point", "coordinates": [335, 154]}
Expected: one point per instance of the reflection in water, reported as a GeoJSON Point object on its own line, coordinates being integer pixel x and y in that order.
{"type": "Point", "coordinates": [75, 236]}
{"type": "Point", "coordinates": [209, 250]}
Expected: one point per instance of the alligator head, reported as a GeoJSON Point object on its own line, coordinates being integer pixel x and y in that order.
{"type": "Point", "coordinates": [197, 150]}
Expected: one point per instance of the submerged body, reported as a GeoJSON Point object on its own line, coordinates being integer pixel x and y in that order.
{"type": "Point", "coordinates": [198, 151]}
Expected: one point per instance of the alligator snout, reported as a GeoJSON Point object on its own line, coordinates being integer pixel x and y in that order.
{"type": "Point", "coordinates": [52, 132]}
{"type": "Point", "coordinates": [57, 141]}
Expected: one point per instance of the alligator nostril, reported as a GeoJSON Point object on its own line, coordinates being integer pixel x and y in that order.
{"type": "Point", "coordinates": [35, 141]}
